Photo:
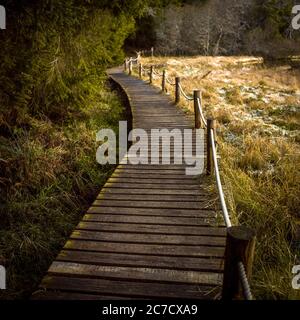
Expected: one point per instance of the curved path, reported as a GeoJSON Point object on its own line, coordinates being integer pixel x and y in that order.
{"type": "Point", "coordinates": [151, 232]}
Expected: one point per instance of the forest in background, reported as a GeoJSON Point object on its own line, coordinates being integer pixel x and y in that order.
{"type": "Point", "coordinates": [53, 98]}
{"type": "Point", "coordinates": [221, 27]}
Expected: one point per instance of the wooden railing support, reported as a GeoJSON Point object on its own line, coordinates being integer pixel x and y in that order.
{"type": "Point", "coordinates": [177, 90]}
{"type": "Point", "coordinates": [151, 75]}
{"type": "Point", "coordinates": [197, 95]}
{"type": "Point", "coordinates": [163, 81]}
{"type": "Point", "coordinates": [240, 244]}
{"type": "Point", "coordinates": [130, 67]}
{"type": "Point", "coordinates": [211, 124]}
{"type": "Point", "coordinates": [140, 70]}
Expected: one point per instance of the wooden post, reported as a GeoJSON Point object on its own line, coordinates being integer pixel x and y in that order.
{"type": "Point", "coordinates": [177, 89]}
{"type": "Point", "coordinates": [130, 67]}
{"type": "Point", "coordinates": [197, 95]}
{"type": "Point", "coordinates": [151, 75]}
{"type": "Point", "coordinates": [125, 65]}
{"type": "Point", "coordinates": [140, 70]}
{"type": "Point", "coordinates": [211, 124]}
{"type": "Point", "coordinates": [240, 245]}
{"type": "Point", "coordinates": [163, 81]}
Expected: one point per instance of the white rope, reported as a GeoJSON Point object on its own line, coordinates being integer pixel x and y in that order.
{"type": "Point", "coordinates": [184, 94]}
{"type": "Point", "coordinates": [201, 113]}
{"type": "Point", "coordinates": [133, 60]}
{"type": "Point", "coordinates": [155, 76]}
{"type": "Point", "coordinates": [218, 179]}
{"type": "Point", "coordinates": [241, 268]}
{"type": "Point", "coordinates": [170, 82]}
{"type": "Point", "coordinates": [156, 73]}
{"type": "Point", "coordinates": [244, 281]}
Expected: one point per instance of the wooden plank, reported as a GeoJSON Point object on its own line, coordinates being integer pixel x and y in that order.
{"type": "Point", "coordinates": [160, 167]}
{"type": "Point", "coordinates": [131, 288]}
{"type": "Point", "coordinates": [152, 249]}
{"type": "Point", "coordinates": [153, 212]}
{"type": "Point", "coordinates": [65, 295]}
{"type": "Point", "coordinates": [139, 260]}
{"type": "Point", "coordinates": [193, 240]}
{"type": "Point", "coordinates": [150, 175]}
{"type": "Point", "coordinates": [146, 229]}
{"type": "Point", "coordinates": [150, 191]}
{"type": "Point", "coordinates": [160, 181]}
{"type": "Point", "coordinates": [150, 185]}
{"type": "Point", "coordinates": [151, 197]}
{"type": "Point", "coordinates": [153, 204]}
{"type": "Point", "coordinates": [131, 273]}
{"type": "Point", "coordinates": [150, 220]}
{"type": "Point", "coordinates": [134, 170]}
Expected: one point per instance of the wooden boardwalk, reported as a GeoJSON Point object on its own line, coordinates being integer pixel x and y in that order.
{"type": "Point", "coordinates": [151, 232]}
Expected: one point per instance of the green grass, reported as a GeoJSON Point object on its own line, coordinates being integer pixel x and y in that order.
{"type": "Point", "coordinates": [49, 179]}
{"type": "Point", "coordinates": [53, 100]}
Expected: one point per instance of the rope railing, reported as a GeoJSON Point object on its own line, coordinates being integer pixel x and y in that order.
{"type": "Point", "coordinates": [201, 112]}
{"type": "Point", "coordinates": [157, 74]}
{"type": "Point", "coordinates": [218, 180]}
{"type": "Point", "coordinates": [244, 281]}
{"type": "Point", "coordinates": [133, 59]}
{"type": "Point", "coordinates": [235, 275]}
{"type": "Point", "coordinates": [241, 268]}
{"type": "Point", "coordinates": [189, 98]}
{"type": "Point", "coordinates": [170, 82]}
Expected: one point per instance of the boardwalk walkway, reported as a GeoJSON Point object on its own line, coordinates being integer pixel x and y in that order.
{"type": "Point", "coordinates": [151, 232]}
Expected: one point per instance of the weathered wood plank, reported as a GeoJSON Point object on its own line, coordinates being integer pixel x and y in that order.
{"type": "Point", "coordinates": [153, 249]}
{"type": "Point", "coordinates": [65, 295]}
{"type": "Point", "coordinates": [151, 191]}
{"type": "Point", "coordinates": [153, 212]}
{"type": "Point", "coordinates": [151, 197]}
{"type": "Point", "coordinates": [131, 273]}
{"type": "Point", "coordinates": [149, 185]}
{"type": "Point", "coordinates": [194, 240]}
{"type": "Point", "coordinates": [139, 260]}
{"type": "Point", "coordinates": [146, 229]}
{"type": "Point", "coordinates": [131, 288]}
{"type": "Point", "coordinates": [154, 204]}
{"type": "Point", "coordinates": [150, 175]}
{"type": "Point", "coordinates": [161, 181]}
{"type": "Point", "coordinates": [182, 221]}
